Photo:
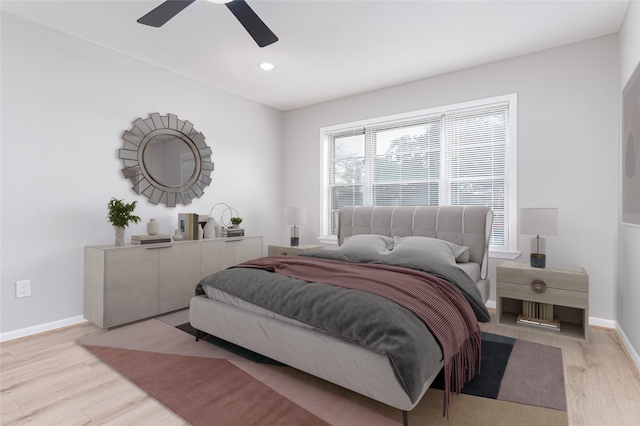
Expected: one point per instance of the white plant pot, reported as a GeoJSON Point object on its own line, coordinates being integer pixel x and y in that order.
{"type": "Point", "coordinates": [119, 235]}
{"type": "Point", "coordinates": [153, 227]}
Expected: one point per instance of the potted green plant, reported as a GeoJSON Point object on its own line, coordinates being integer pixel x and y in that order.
{"type": "Point", "coordinates": [120, 216]}
{"type": "Point", "coordinates": [235, 221]}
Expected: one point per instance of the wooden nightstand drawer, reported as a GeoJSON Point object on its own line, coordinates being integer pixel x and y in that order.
{"type": "Point", "coordinates": [558, 277]}
{"type": "Point", "coordinates": [574, 299]}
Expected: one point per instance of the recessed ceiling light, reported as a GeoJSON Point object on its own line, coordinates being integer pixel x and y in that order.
{"type": "Point", "coordinates": [267, 66]}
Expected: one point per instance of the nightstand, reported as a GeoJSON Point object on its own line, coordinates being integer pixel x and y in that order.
{"type": "Point", "coordinates": [561, 290]}
{"type": "Point", "coordinates": [291, 250]}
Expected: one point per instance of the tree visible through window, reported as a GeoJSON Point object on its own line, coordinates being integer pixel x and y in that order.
{"type": "Point", "coordinates": [452, 156]}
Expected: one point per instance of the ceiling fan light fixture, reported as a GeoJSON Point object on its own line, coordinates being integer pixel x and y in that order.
{"type": "Point", "coordinates": [251, 22]}
{"type": "Point", "coordinates": [267, 66]}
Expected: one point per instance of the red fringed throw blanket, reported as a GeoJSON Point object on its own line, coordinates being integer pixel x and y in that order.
{"type": "Point", "coordinates": [435, 301]}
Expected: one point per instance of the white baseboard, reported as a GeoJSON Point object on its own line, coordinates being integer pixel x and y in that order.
{"type": "Point", "coordinates": [604, 323]}
{"type": "Point", "coordinates": [633, 354]}
{"type": "Point", "coordinates": [40, 328]}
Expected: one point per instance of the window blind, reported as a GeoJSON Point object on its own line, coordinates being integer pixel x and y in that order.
{"type": "Point", "coordinates": [475, 159]}
{"type": "Point", "coordinates": [450, 157]}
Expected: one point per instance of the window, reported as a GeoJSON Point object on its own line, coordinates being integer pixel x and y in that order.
{"type": "Point", "coordinates": [456, 155]}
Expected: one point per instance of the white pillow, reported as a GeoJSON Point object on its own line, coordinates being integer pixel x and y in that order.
{"type": "Point", "coordinates": [366, 244]}
{"type": "Point", "coordinates": [425, 246]}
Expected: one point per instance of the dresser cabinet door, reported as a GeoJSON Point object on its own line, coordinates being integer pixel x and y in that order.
{"type": "Point", "coordinates": [216, 255]}
{"type": "Point", "coordinates": [131, 287]}
{"type": "Point", "coordinates": [220, 254]}
{"type": "Point", "coordinates": [179, 273]}
{"type": "Point", "coordinates": [247, 249]}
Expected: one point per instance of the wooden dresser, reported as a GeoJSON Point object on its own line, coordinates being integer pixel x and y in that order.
{"type": "Point", "coordinates": [131, 282]}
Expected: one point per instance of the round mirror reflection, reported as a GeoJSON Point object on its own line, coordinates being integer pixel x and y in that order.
{"type": "Point", "coordinates": [166, 159]}
{"type": "Point", "coordinates": [169, 160]}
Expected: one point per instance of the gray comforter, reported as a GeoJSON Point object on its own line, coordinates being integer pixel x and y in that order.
{"type": "Point", "coordinates": [359, 317]}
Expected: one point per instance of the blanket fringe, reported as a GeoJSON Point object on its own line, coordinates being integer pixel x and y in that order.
{"type": "Point", "coordinates": [462, 367]}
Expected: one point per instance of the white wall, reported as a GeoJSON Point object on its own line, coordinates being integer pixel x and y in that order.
{"type": "Point", "coordinates": [567, 124]}
{"type": "Point", "coordinates": [65, 105]}
{"type": "Point", "coordinates": [628, 290]}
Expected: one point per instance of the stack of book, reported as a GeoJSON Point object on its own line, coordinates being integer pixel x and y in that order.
{"type": "Point", "coordinates": [553, 324]}
{"type": "Point", "coordinates": [188, 225]}
{"type": "Point", "coordinates": [538, 314]}
{"type": "Point", "coordinates": [150, 239]}
{"type": "Point", "coordinates": [232, 232]}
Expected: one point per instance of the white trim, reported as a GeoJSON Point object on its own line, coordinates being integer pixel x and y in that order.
{"type": "Point", "coordinates": [627, 345]}
{"type": "Point", "coordinates": [41, 328]}
{"type": "Point", "coordinates": [391, 119]}
{"type": "Point", "coordinates": [604, 323]}
{"type": "Point", "coordinates": [624, 340]}
{"type": "Point", "coordinates": [512, 151]}
{"type": "Point", "coordinates": [512, 163]}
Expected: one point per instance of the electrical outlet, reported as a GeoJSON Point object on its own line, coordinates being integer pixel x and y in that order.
{"type": "Point", "coordinates": [23, 288]}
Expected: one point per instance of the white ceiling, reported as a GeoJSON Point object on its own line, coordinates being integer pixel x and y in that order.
{"type": "Point", "coordinates": [328, 49]}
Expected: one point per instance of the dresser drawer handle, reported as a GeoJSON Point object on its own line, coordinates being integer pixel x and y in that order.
{"type": "Point", "coordinates": [539, 286]}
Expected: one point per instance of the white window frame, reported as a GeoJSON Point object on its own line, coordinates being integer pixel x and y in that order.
{"type": "Point", "coordinates": [511, 186]}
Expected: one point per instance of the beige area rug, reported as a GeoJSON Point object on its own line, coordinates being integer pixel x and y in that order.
{"type": "Point", "coordinates": [208, 385]}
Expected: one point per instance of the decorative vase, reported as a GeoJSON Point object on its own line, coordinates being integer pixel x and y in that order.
{"type": "Point", "coordinates": [119, 235]}
{"type": "Point", "coordinates": [177, 236]}
{"type": "Point", "coordinates": [212, 228]}
{"type": "Point", "coordinates": [153, 227]}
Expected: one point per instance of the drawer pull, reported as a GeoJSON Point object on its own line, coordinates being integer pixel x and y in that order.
{"type": "Point", "coordinates": [539, 286]}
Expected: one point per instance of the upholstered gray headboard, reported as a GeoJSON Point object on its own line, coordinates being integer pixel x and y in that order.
{"type": "Point", "coordinates": [464, 225]}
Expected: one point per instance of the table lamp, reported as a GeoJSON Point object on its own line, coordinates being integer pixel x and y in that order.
{"type": "Point", "coordinates": [295, 216]}
{"type": "Point", "coordinates": [538, 221]}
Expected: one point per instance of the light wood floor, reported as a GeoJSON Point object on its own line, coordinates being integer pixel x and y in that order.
{"type": "Point", "coordinates": [48, 379]}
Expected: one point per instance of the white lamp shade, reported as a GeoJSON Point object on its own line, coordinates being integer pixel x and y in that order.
{"type": "Point", "coordinates": [295, 215]}
{"type": "Point", "coordinates": [538, 221]}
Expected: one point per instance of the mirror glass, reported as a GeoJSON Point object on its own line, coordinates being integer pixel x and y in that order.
{"type": "Point", "coordinates": [169, 160]}
{"type": "Point", "coordinates": [166, 159]}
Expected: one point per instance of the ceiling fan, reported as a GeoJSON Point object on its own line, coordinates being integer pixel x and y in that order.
{"type": "Point", "coordinates": [242, 11]}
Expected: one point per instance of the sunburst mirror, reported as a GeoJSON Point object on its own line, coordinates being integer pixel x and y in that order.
{"type": "Point", "coordinates": [166, 159]}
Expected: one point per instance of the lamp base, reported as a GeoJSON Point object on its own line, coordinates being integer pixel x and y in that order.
{"type": "Point", "coordinates": [538, 260]}
{"type": "Point", "coordinates": [295, 236]}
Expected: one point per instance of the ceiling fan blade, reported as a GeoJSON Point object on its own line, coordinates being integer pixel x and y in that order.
{"type": "Point", "coordinates": [252, 23]}
{"type": "Point", "coordinates": [161, 14]}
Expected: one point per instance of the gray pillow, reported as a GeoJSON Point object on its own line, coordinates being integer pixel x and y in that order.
{"type": "Point", "coordinates": [366, 244]}
{"type": "Point", "coordinates": [430, 248]}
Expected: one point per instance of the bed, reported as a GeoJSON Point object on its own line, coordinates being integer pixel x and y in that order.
{"type": "Point", "coordinates": [291, 322]}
